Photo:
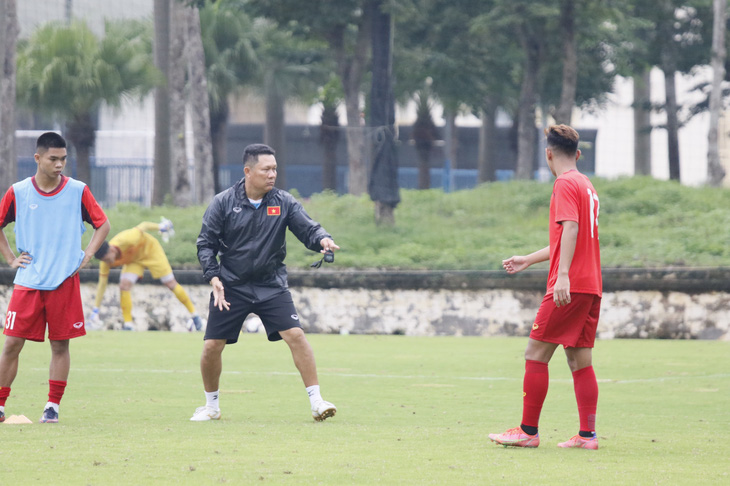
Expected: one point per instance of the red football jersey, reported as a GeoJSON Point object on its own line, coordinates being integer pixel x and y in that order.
{"type": "Point", "coordinates": [574, 199]}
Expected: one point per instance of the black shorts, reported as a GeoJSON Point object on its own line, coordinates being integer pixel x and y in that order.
{"type": "Point", "coordinates": [277, 314]}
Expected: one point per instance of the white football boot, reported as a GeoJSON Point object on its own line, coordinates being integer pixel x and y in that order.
{"type": "Point", "coordinates": [323, 410]}
{"type": "Point", "coordinates": [205, 413]}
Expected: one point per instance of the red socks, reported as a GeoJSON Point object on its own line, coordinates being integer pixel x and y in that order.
{"type": "Point", "coordinates": [534, 391]}
{"type": "Point", "coordinates": [586, 394]}
{"type": "Point", "coordinates": [55, 390]}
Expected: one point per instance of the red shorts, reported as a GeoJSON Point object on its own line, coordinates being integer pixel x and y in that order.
{"type": "Point", "coordinates": [573, 325]}
{"type": "Point", "coordinates": [30, 310]}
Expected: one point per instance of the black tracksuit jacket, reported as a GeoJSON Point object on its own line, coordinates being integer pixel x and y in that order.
{"type": "Point", "coordinates": [245, 246]}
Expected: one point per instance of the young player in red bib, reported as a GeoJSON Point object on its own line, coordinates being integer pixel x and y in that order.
{"type": "Point", "coordinates": [49, 211]}
{"type": "Point", "coordinates": [569, 312]}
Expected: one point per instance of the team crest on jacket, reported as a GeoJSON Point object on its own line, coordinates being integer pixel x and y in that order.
{"type": "Point", "coordinates": [273, 210]}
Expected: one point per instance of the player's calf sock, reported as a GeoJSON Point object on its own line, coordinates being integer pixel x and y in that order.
{"type": "Point", "coordinates": [184, 298]}
{"type": "Point", "coordinates": [314, 395]}
{"type": "Point", "coordinates": [211, 400]}
{"type": "Point", "coordinates": [586, 394]}
{"type": "Point", "coordinates": [4, 394]}
{"type": "Point", "coordinates": [534, 388]}
{"type": "Point", "coordinates": [55, 392]}
{"type": "Point", "coordinates": [125, 301]}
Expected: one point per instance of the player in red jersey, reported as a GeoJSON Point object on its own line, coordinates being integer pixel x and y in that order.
{"type": "Point", "coordinates": [569, 312]}
{"type": "Point", "coordinates": [49, 211]}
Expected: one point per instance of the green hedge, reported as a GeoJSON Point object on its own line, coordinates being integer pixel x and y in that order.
{"type": "Point", "coordinates": [643, 223]}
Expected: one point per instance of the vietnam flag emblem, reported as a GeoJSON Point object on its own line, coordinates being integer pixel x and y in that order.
{"type": "Point", "coordinates": [273, 210]}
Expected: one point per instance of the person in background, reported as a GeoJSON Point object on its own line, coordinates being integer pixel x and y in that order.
{"type": "Point", "coordinates": [134, 250]}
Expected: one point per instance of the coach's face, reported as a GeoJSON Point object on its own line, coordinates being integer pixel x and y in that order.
{"type": "Point", "coordinates": [261, 177]}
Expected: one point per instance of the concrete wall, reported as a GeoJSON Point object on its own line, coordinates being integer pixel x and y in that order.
{"type": "Point", "coordinates": [666, 303]}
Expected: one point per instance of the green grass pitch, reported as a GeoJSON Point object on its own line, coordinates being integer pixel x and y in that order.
{"type": "Point", "coordinates": [410, 411]}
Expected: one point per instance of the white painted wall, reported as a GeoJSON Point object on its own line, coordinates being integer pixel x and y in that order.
{"type": "Point", "coordinates": [615, 124]}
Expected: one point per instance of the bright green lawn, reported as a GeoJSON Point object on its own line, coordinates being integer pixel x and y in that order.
{"type": "Point", "coordinates": [411, 411]}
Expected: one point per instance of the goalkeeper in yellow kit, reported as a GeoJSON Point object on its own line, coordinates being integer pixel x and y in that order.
{"type": "Point", "coordinates": [134, 250]}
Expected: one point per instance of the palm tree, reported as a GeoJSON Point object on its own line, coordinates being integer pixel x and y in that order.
{"type": "Point", "coordinates": [229, 61]}
{"type": "Point", "coordinates": [67, 72]}
{"type": "Point", "coordinates": [289, 67]}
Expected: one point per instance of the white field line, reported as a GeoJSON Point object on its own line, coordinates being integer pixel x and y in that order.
{"type": "Point", "coordinates": [397, 377]}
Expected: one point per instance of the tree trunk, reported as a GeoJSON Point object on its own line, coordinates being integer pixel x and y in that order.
{"type": "Point", "coordinates": [162, 178]}
{"type": "Point", "coordinates": [182, 191]}
{"type": "Point", "coordinates": [81, 134]}
{"type": "Point", "coordinates": [564, 112]}
{"type": "Point", "coordinates": [383, 185]}
{"type": "Point", "coordinates": [424, 149]}
{"type": "Point", "coordinates": [350, 68]}
{"type": "Point", "coordinates": [274, 129]}
{"type": "Point", "coordinates": [218, 134]}
{"type": "Point", "coordinates": [669, 67]}
{"type": "Point", "coordinates": [451, 131]}
{"type": "Point", "coordinates": [526, 111]}
{"type": "Point", "coordinates": [672, 124]}
{"type": "Point", "coordinates": [384, 214]}
{"type": "Point", "coordinates": [642, 123]}
{"type": "Point", "coordinates": [357, 177]}
{"type": "Point", "coordinates": [487, 132]}
{"type": "Point", "coordinates": [329, 135]}
{"type": "Point", "coordinates": [200, 112]}
{"type": "Point", "coordinates": [329, 164]}
{"type": "Point", "coordinates": [715, 170]}
{"type": "Point", "coordinates": [8, 38]}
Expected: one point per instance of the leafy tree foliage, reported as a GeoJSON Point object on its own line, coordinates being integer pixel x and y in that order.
{"type": "Point", "coordinates": [67, 72]}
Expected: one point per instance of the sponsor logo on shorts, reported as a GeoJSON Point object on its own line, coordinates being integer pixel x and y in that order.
{"type": "Point", "coordinates": [78, 325]}
{"type": "Point", "coordinates": [33, 206]}
{"type": "Point", "coordinates": [295, 317]}
{"type": "Point", "coordinates": [534, 326]}
{"type": "Point", "coordinates": [236, 209]}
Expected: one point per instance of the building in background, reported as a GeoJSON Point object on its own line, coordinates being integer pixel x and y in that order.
{"type": "Point", "coordinates": [126, 136]}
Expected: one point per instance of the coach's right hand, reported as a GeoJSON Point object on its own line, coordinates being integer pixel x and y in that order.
{"type": "Point", "coordinates": [219, 299]}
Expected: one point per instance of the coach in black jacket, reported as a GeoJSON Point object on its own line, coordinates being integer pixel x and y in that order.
{"type": "Point", "coordinates": [245, 228]}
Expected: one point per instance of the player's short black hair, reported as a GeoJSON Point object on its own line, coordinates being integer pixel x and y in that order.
{"type": "Point", "coordinates": [49, 140]}
{"type": "Point", "coordinates": [102, 251]}
{"type": "Point", "coordinates": [562, 138]}
{"type": "Point", "coordinates": [251, 153]}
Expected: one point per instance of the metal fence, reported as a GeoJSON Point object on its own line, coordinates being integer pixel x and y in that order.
{"type": "Point", "coordinates": [113, 181]}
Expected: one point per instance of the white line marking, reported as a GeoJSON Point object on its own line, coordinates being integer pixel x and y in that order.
{"type": "Point", "coordinates": [401, 377]}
